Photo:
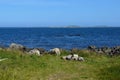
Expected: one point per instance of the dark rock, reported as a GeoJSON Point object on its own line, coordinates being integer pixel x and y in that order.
{"type": "Point", "coordinates": [115, 51]}
{"type": "Point", "coordinates": [42, 50]}
{"type": "Point", "coordinates": [100, 51]}
{"type": "Point", "coordinates": [93, 48]}
{"type": "Point", "coordinates": [105, 49]}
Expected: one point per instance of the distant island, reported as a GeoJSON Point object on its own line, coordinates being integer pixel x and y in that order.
{"type": "Point", "coordinates": [72, 26]}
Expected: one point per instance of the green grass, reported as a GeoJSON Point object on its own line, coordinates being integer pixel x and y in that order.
{"type": "Point", "coordinates": [20, 66]}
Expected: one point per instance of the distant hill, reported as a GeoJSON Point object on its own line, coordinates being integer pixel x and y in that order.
{"type": "Point", "coordinates": [72, 26]}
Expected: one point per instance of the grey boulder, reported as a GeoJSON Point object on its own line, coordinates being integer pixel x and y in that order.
{"type": "Point", "coordinates": [55, 51]}
{"type": "Point", "coordinates": [15, 46]}
{"type": "Point", "coordinates": [34, 51]}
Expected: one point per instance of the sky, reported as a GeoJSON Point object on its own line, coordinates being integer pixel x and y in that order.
{"type": "Point", "coordinates": [58, 13]}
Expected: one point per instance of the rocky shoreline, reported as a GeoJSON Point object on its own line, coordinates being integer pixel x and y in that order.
{"type": "Point", "coordinates": [111, 51]}
{"type": "Point", "coordinates": [105, 50]}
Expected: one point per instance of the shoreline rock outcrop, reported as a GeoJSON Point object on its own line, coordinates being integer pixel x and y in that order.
{"type": "Point", "coordinates": [14, 46]}
{"type": "Point", "coordinates": [105, 50]}
{"type": "Point", "coordinates": [111, 51]}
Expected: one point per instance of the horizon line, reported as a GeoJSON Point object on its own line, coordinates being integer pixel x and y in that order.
{"type": "Point", "coordinates": [64, 27]}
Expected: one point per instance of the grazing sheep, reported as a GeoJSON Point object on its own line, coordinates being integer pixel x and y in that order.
{"type": "Point", "coordinates": [42, 50]}
{"type": "Point", "coordinates": [35, 51]}
{"type": "Point", "coordinates": [55, 51]}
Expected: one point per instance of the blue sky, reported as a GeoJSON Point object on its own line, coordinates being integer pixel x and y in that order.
{"type": "Point", "coordinates": [30, 13]}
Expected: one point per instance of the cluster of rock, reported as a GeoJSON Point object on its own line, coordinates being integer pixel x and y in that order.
{"type": "Point", "coordinates": [37, 51]}
{"type": "Point", "coordinates": [106, 50]}
{"type": "Point", "coordinates": [15, 46]}
{"type": "Point", "coordinates": [73, 57]}
{"type": "Point", "coordinates": [41, 51]}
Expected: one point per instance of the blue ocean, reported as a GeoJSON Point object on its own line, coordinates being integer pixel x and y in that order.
{"type": "Point", "coordinates": [65, 38]}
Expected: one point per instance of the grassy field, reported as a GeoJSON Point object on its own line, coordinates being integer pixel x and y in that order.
{"type": "Point", "coordinates": [20, 66]}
